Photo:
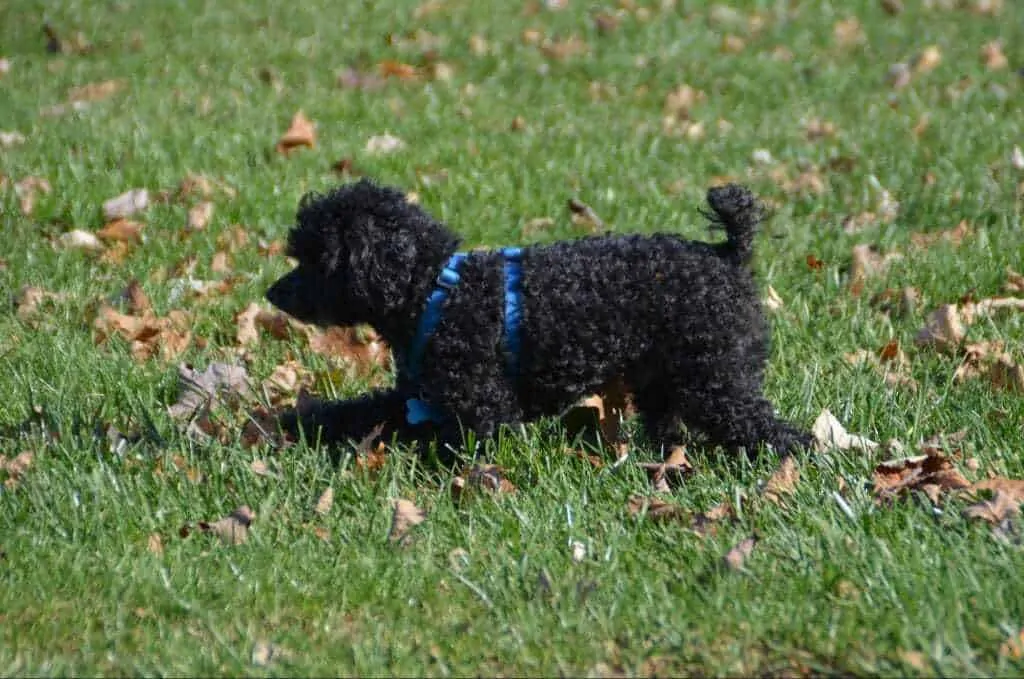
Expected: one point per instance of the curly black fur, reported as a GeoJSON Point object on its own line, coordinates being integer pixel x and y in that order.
{"type": "Point", "coordinates": [678, 321]}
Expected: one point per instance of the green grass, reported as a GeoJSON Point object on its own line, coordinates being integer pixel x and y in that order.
{"type": "Point", "coordinates": [80, 592]}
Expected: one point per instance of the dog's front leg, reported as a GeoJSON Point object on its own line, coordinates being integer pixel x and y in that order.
{"type": "Point", "coordinates": [336, 422]}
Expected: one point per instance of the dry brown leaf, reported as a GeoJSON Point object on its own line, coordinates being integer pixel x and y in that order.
{"type": "Point", "coordinates": [737, 556]}
{"type": "Point", "coordinates": [671, 473]}
{"type": "Point", "coordinates": [138, 302]}
{"type": "Point", "coordinates": [1014, 282]}
{"type": "Point", "coordinates": [121, 231]}
{"type": "Point", "coordinates": [829, 433]}
{"type": "Point", "coordinates": [929, 58]}
{"type": "Point", "coordinates": [654, 508]}
{"type": "Point", "coordinates": [487, 477]}
{"type": "Point", "coordinates": [10, 139]}
{"type": "Point", "coordinates": [95, 91]}
{"type": "Point", "coordinates": [848, 33]}
{"type": "Point", "coordinates": [219, 383]}
{"type": "Point", "coordinates": [1006, 374]}
{"type": "Point", "coordinates": [30, 298]}
{"type": "Point", "coordinates": [915, 659]}
{"type": "Point", "coordinates": [782, 481]}
{"type": "Point", "coordinates": [932, 473]}
{"type": "Point", "coordinates": [232, 529]}
{"type": "Point", "coordinates": [27, 190]}
{"type": "Point", "coordinates": [706, 523]}
{"type": "Point", "coordinates": [406, 516]}
{"type": "Point", "coordinates": [1013, 647]}
{"type": "Point", "coordinates": [125, 205]}
{"type": "Point", "coordinates": [300, 133]}
{"type": "Point", "coordinates": [955, 236]}
{"type": "Point", "coordinates": [816, 128]}
{"type": "Point", "coordinates": [773, 300]}
{"type": "Point", "coordinates": [155, 544]}
{"type": "Point", "coordinates": [992, 56]}
{"type": "Point", "coordinates": [867, 261]}
{"type": "Point", "coordinates": [944, 329]}
{"type": "Point", "coordinates": [1000, 508]}
{"type": "Point", "coordinates": [567, 48]}
{"type": "Point", "coordinates": [78, 239]}
{"type": "Point", "coordinates": [220, 262]}
{"type": "Point", "coordinates": [253, 319]}
{"type": "Point", "coordinates": [325, 502]}
{"type": "Point", "coordinates": [14, 468]}
{"type": "Point", "coordinates": [360, 346]}
{"type": "Point", "coordinates": [199, 216]}
{"type": "Point", "coordinates": [260, 468]}
{"type": "Point", "coordinates": [262, 427]}
{"type": "Point", "coordinates": [383, 144]}
{"type": "Point", "coordinates": [396, 69]}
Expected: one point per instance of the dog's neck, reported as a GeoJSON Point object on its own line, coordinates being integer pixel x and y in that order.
{"type": "Point", "coordinates": [398, 326]}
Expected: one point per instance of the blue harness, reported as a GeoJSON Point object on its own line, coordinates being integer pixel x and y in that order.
{"type": "Point", "coordinates": [418, 410]}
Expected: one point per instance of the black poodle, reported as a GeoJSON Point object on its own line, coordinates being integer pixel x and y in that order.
{"type": "Point", "coordinates": [486, 338]}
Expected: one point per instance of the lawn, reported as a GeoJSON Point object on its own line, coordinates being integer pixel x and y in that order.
{"type": "Point", "coordinates": [895, 124]}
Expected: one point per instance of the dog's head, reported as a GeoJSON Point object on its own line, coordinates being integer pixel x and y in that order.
{"type": "Point", "coordinates": [365, 255]}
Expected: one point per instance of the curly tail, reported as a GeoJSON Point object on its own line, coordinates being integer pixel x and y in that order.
{"type": "Point", "coordinates": [735, 210]}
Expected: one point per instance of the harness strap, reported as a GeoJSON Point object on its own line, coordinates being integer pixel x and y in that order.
{"type": "Point", "coordinates": [418, 410]}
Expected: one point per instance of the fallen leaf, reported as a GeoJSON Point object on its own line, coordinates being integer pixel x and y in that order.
{"type": "Point", "coordinates": [773, 300]}
{"type": "Point", "coordinates": [915, 659]}
{"type": "Point", "coordinates": [362, 347]}
{"type": "Point", "coordinates": [80, 240]}
{"type": "Point", "coordinates": [566, 48]}
{"type": "Point", "coordinates": [1000, 508]}
{"type": "Point", "coordinates": [705, 523]}
{"type": "Point", "coordinates": [5, 66]}
{"type": "Point", "coordinates": [10, 139]}
{"type": "Point", "coordinates": [829, 433]}
{"type": "Point", "coordinates": [95, 91]}
{"type": "Point", "coordinates": [899, 75]}
{"type": "Point", "coordinates": [932, 473]}
{"type": "Point", "coordinates": [30, 298]}
{"type": "Point", "coordinates": [219, 383]}
{"type": "Point", "coordinates": [992, 56]}
{"type": "Point", "coordinates": [260, 468]}
{"type": "Point", "coordinates": [301, 133]}
{"type": "Point", "coordinates": [867, 261]}
{"type": "Point", "coordinates": [155, 544]}
{"type": "Point", "coordinates": [579, 551]}
{"type": "Point", "coordinates": [848, 33]}
{"type": "Point", "coordinates": [944, 330]}
{"type": "Point", "coordinates": [14, 468]}
{"type": "Point", "coordinates": [1013, 647]}
{"type": "Point", "coordinates": [264, 653]}
{"type": "Point", "coordinates": [121, 230]}
{"type": "Point", "coordinates": [199, 216]}
{"type": "Point", "coordinates": [737, 556]}
{"type": "Point", "coordinates": [954, 236]}
{"type": "Point", "coordinates": [27, 190]}
{"type": "Point", "coordinates": [325, 502]}
{"type": "Point", "coordinates": [782, 481]}
{"type": "Point", "coordinates": [1014, 282]}
{"type": "Point", "coordinates": [126, 204]}
{"type": "Point", "coordinates": [1006, 374]}
{"type": "Point", "coordinates": [654, 508]}
{"type": "Point", "coordinates": [814, 264]}
{"type": "Point", "coordinates": [583, 214]}
{"type": "Point", "coordinates": [384, 144]}
{"type": "Point", "coordinates": [929, 58]}
{"type": "Point", "coordinates": [671, 473]}
{"type": "Point", "coordinates": [396, 69]}
{"type": "Point", "coordinates": [232, 529]}
{"type": "Point", "coordinates": [406, 516]}
{"type": "Point", "coordinates": [370, 454]}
